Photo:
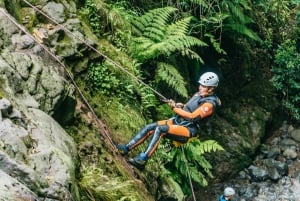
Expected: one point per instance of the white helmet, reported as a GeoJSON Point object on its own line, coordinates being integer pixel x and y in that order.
{"type": "Point", "coordinates": [209, 79]}
{"type": "Point", "coordinates": [228, 191]}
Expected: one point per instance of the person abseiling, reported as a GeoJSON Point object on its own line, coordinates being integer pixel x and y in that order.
{"type": "Point", "coordinates": [180, 128]}
{"type": "Point", "coordinates": [228, 194]}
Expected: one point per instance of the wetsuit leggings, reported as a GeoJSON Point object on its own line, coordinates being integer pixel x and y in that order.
{"type": "Point", "coordinates": [158, 130]}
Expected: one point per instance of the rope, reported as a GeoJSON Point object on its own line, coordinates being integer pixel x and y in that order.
{"type": "Point", "coordinates": [104, 132]}
{"type": "Point", "coordinates": [189, 174]}
{"type": "Point", "coordinates": [94, 49]}
{"type": "Point", "coordinates": [69, 74]}
{"type": "Point", "coordinates": [76, 86]}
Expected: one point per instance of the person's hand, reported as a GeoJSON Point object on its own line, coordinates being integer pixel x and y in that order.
{"type": "Point", "coordinates": [179, 105]}
{"type": "Point", "coordinates": [171, 103]}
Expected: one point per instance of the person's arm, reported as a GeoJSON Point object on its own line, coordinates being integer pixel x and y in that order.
{"type": "Point", "coordinates": [204, 110]}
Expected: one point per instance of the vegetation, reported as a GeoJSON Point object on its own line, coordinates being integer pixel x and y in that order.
{"type": "Point", "coordinates": [91, 11]}
{"type": "Point", "coordinates": [166, 44]}
{"type": "Point", "coordinates": [164, 40]}
{"type": "Point", "coordinates": [191, 154]}
{"type": "Point", "coordinates": [111, 190]}
{"type": "Point", "coordinates": [286, 78]}
{"type": "Point", "coordinates": [105, 80]}
{"type": "Point", "coordinates": [2, 92]}
{"type": "Point", "coordinates": [157, 40]}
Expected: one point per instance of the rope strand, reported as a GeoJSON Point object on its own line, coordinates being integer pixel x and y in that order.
{"type": "Point", "coordinates": [189, 174]}
{"type": "Point", "coordinates": [76, 86]}
{"type": "Point", "coordinates": [69, 74]}
{"type": "Point", "coordinates": [94, 49]}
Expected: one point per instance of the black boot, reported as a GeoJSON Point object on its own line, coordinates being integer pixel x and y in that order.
{"type": "Point", "coordinates": [122, 149]}
{"type": "Point", "coordinates": [139, 161]}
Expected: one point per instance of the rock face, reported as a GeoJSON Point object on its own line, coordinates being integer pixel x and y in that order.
{"type": "Point", "coordinates": [29, 79]}
{"type": "Point", "coordinates": [273, 175]}
{"type": "Point", "coordinates": [37, 157]}
{"type": "Point", "coordinates": [240, 138]}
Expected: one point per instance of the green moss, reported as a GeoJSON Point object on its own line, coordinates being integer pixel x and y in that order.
{"type": "Point", "coordinates": [2, 5]}
{"type": "Point", "coordinates": [105, 188]}
{"type": "Point", "coordinates": [87, 29]}
{"type": "Point", "coordinates": [28, 18]}
{"type": "Point", "coordinates": [64, 44]}
{"type": "Point", "coordinates": [14, 8]}
{"type": "Point", "coordinates": [2, 92]}
{"type": "Point", "coordinates": [98, 180]}
{"type": "Point", "coordinates": [123, 120]}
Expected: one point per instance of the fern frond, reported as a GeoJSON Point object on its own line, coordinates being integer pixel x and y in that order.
{"type": "Point", "coordinates": [210, 146]}
{"type": "Point", "coordinates": [191, 54]}
{"type": "Point", "coordinates": [194, 172]}
{"type": "Point", "coordinates": [179, 28]}
{"type": "Point", "coordinates": [158, 38]}
{"type": "Point", "coordinates": [201, 3]}
{"type": "Point", "coordinates": [158, 16]}
{"type": "Point", "coordinates": [197, 176]}
{"type": "Point", "coordinates": [170, 75]}
{"type": "Point", "coordinates": [198, 148]}
{"type": "Point", "coordinates": [144, 48]}
{"type": "Point", "coordinates": [154, 33]}
{"type": "Point", "coordinates": [191, 149]}
{"type": "Point", "coordinates": [178, 161]}
{"type": "Point", "coordinates": [205, 165]}
{"type": "Point", "coordinates": [244, 30]}
{"type": "Point", "coordinates": [148, 100]}
{"type": "Point", "coordinates": [143, 42]}
{"type": "Point", "coordinates": [237, 12]}
{"type": "Point", "coordinates": [215, 44]}
{"type": "Point", "coordinates": [181, 43]}
{"type": "Point", "coordinates": [195, 162]}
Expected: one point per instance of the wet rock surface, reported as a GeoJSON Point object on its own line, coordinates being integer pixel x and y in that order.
{"type": "Point", "coordinates": [37, 157]}
{"type": "Point", "coordinates": [274, 174]}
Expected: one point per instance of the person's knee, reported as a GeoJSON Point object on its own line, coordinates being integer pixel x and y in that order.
{"type": "Point", "coordinates": [162, 128]}
{"type": "Point", "coordinates": [150, 126]}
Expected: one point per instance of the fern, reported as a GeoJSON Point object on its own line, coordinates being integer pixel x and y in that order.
{"type": "Point", "coordinates": [169, 74]}
{"type": "Point", "coordinates": [154, 17]}
{"type": "Point", "coordinates": [180, 43]}
{"type": "Point", "coordinates": [199, 167]}
{"type": "Point", "coordinates": [148, 98]}
{"type": "Point", "coordinates": [205, 147]}
{"type": "Point", "coordinates": [242, 29]}
{"type": "Point", "coordinates": [197, 176]}
{"type": "Point", "coordinates": [237, 21]}
{"type": "Point", "coordinates": [201, 3]}
{"type": "Point", "coordinates": [236, 9]}
{"type": "Point", "coordinates": [215, 44]}
{"type": "Point", "coordinates": [157, 39]}
{"type": "Point", "coordinates": [179, 28]}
